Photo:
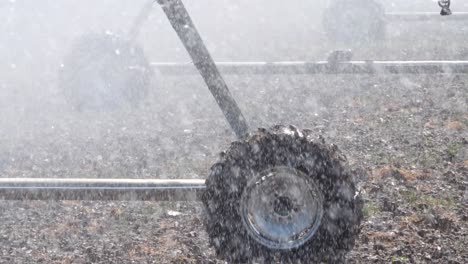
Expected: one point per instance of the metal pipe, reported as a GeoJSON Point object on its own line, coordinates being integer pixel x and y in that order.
{"type": "Point", "coordinates": [188, 34]}
{"type": "Point", "coordinates": [425, 16]}
{"type": "Point", "coordinates": [323, 67]}
{"type": "Point", "coordinates": [100, 189]}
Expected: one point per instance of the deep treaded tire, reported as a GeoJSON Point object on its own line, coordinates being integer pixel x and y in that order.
{"type": "Point", "coordinates": [105, 72]}
{"type": "Point", "coordinates": [282, 147]}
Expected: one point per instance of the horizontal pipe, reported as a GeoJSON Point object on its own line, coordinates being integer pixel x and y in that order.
{"type": "Point", "coordinates": [100, 189]}
{"type": "Point", "coordinates": [323, 67]}
{"type": "Point", "coordinates": [425, 16]}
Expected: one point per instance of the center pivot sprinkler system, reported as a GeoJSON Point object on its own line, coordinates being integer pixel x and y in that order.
{"type": "Point", "coordinates": [280, 194]}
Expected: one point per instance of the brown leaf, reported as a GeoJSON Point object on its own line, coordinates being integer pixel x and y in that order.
{"type": "Point", "coordinates": [400, 173]}
{"type": "Point", "coordinates": [430, 124]}
{"type": "Point", "coordinates": [454, 125]}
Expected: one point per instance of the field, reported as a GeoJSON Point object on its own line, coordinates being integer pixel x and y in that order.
{"type": "Point", "coordinates": [405, 137]}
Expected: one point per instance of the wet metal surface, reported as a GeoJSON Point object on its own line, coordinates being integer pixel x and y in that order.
{"type": "Point", "coordinates": [325, 67]}
{"type": "Point", "coordinates": [100, 189]}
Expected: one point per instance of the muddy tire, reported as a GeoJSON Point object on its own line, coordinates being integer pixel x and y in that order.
{"type": "Point", "coordinates": [279, 195]}
{"type": "Point", "coordinates": [105, 72]}
{"type": "Point", "coordinates": [354, 21]}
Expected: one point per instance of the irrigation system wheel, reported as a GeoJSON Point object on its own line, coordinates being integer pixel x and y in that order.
{"type": "Point", "coordinates": [105, 72]}
{"type": "Point", "coordinates": [354, 21]}
{"type": "Point", "coordinates": [280, 195]}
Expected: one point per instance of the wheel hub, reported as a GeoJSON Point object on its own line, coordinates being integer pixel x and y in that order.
{"type": "Point", "coordinates": [282, 208]}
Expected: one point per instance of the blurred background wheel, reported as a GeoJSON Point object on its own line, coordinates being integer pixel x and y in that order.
{"type": "Point", "coordinates": [281, 196]}
{"type": "Point", "coordinates": [105, 72]}
{"type": "Point", "coordinates": [354, 21]}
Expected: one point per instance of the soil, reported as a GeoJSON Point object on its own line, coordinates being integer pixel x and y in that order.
{"type": "Point", "coordinates": [405, 137]}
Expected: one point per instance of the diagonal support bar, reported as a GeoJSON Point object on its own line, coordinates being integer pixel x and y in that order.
{"type": "Point", "coordinates": [142, 16]}
{"type": "Point", "coordinates": [188, 34]}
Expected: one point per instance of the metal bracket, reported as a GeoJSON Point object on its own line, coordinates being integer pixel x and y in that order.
{"type": "Point", "coordinates": [445, 5]}
{"type": "Point", "coordinates": [188, 34]}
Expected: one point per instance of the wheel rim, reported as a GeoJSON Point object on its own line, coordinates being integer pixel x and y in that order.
{"type": "Point", "coordinates": [281, 208]}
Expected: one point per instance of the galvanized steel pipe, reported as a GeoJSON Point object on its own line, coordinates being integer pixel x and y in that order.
{"type": "Point", "coordinates": [100, 189]}
{"type": "Point", "coordinates": [324, 67]}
